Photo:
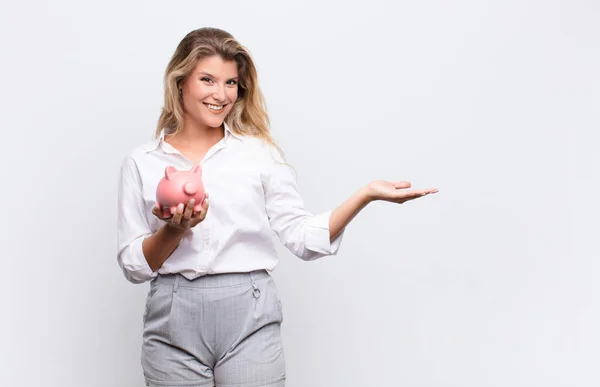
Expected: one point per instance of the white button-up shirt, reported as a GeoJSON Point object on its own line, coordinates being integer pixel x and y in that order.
{"type": "Point", "coordinates": [253, 195]}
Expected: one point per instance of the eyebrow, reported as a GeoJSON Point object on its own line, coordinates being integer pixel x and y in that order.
{"type": "Point", "coordinates": [210, 75]}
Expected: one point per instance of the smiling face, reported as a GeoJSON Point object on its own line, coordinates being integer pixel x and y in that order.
{"type": "Point", "coordinates": [210, 91]}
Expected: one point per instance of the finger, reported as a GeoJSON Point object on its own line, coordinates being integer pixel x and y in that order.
{"type": "Point", "coordinates": [416, 195]}
{"type": "Point", "coordinates": [401, 184]}
{"type": "Point", "coordinates": [429, 191]}
{"type": "Point", "coordinates": [187, 214]}
{"type": "Point", "coordinates": [178, 214]}
{"type": "Point", "coordinates": [156, 211]}
{"type": "Point", "coordinates": [402, 196]}
{"type": "Point", "coordinates": [410, 194]}
{"type": "Point", "coordinates": [198, 207]}
{"type": "Point", "coordinates": [202, 214]}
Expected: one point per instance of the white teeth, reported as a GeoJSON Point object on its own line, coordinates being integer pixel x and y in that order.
{"type": "Point", "coordinates": [214, 107]}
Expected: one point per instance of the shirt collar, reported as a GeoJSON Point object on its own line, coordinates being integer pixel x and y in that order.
{"type": "Point", "coordinates": [229, 133]}
{"type": "Point", "coordinates": [159, 141]}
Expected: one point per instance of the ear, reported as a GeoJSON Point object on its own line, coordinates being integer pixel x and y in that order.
{"type": "Point", "coordinates": [169, 171]}
{"type": "Point", "coordinates": [197, 169]}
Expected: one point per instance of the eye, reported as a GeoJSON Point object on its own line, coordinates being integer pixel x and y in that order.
{"type": "Point", "coordinates": [206, 79]}
{"type": "Point", "coordinates": [233, 82]}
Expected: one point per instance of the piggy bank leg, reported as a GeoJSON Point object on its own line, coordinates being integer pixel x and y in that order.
{"type": "Point", "coordinates": [166, 212]}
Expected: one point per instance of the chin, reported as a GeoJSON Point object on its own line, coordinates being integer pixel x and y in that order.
{"type": "Point", "coordinates": [215, 123]}
{"type": "Point", "coordinates": [212, 122]}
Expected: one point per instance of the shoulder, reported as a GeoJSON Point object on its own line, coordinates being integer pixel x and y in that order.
{"type": "Point", "coordinates": [271, 159]}
{"type": "Point", "coordinates": [136, 156]}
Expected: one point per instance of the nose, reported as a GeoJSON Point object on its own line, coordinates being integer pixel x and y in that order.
{"type": "Point", "coordinates": [219, 93]}
{"type": "Point", "coordinates": [190, 188]}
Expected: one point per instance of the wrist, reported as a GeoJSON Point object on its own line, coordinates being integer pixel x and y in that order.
{"type": "Point", "coordinates": [174, 231]}
{"type": "Point", "coordinates": [365, 196]}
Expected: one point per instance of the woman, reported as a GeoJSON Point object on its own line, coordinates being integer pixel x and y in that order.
{"type": "Point", "coordinates": [213, 314]}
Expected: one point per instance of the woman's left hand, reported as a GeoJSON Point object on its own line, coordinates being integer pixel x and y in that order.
{"type": "Point", "coordinates": [396, 192]}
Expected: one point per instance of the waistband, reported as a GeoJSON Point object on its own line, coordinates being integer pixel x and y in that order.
{"type": "Point", "coordinates": [211, 280]}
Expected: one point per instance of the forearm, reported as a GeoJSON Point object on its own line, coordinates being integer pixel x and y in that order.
{"type": "Point", "coordinates": [342, 215]}
{"type": "Point", "coordinates": [160, 245]}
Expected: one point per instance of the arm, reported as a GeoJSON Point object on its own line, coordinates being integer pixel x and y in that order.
{"type": "Point", "coordinates": [141, 252]}
{"type": "Point", "coordinates": [311, 236]}
{"type": "Point", "coordinates": [163, 242]}
{"type": "Point", "coordinates": [132, 225]}
{"type": "Point", "coordinates": [342, 215]}
{"type": "Point", "coordinates": [158, 247]}
{"type": "Point", "coordinates": [306, 235]}
{"type": "Point", "coordinates": [377, 190]}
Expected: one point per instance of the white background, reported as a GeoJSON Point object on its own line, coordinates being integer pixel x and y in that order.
{"type": "Point", "coordinates": [491, 282]}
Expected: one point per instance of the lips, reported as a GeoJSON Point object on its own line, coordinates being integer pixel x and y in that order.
{"type": "Point", "coordinates": [212, 108]}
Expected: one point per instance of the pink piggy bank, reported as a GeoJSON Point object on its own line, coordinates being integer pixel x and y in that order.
{"type": "Point", "coordinates": [179, 187]}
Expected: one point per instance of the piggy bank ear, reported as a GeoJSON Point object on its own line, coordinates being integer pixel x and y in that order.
{"type": "Point", "coordinates": [197, 169]}
{"type": "Point", "coordinates": [169, 171]}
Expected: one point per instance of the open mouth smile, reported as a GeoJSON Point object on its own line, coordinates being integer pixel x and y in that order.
{"type": "Point", "coordinates": [215, 108]}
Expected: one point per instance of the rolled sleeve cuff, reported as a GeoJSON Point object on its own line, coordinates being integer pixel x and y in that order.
{"type": "Point", "coordinates": [135, 266]}
{"type": "Point", "coordinates": [317, 236]}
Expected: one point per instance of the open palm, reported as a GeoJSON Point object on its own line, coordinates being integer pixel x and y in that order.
{"type": "Point", "coordinates": [397, 192]}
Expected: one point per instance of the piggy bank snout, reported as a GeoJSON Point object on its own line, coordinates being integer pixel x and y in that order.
{"type": "Point", "coordinates": [190, 188]}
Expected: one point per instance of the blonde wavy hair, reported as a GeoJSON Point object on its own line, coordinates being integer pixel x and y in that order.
{"type": "Point", "coordinates": [248, 115]}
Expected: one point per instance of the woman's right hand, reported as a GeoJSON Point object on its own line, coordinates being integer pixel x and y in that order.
{"type": "Point", "coordinates": [184, 218]}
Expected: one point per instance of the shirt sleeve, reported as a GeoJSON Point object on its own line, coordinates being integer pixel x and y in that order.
{"type": "Point", "coordinates": [304, 234]}
{"type": "Point", "coordinates": [133, 225]}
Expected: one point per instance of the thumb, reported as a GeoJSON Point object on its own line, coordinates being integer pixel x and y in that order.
{"type": "Point", "coordinates": [401, 184]}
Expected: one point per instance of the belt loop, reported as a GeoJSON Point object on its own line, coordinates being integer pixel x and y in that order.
{"type": "Point", "coordinates": [256, 292]}
{"type": "Point", "coordinates": [176, 285]}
